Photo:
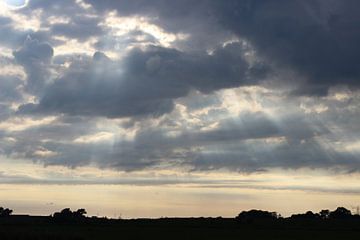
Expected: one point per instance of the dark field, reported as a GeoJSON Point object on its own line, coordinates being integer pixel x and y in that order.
{"type": "Point", "coordinates": [26, 227]}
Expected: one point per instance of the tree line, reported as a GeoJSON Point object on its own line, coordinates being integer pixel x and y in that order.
{"type": "Point", "coordinates": [67, 215]}
{"type": "Point", "coordinates": [339, 213]}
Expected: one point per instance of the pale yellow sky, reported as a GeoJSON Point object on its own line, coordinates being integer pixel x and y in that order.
{"type": "Point", "coordinates": [171, 201]}
{"type": "Point", "coordinates": [32, 189]}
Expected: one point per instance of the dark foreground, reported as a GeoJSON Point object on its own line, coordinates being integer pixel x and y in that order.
{"type": "Point", "coordinates": [27, 227]}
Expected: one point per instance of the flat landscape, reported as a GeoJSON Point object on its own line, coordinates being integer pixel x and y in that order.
{"type": "Point", "coordinates": [180, 119]}
{"type": "Point", "coordinates": [27, 227]}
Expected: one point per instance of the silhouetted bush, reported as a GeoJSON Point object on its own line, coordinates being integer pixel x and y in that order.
{"type": "Point", "coordinates": [256, 215]}
{"type": "Point", "coordinates": [66, 215]}
{"type": "Point", "coordinates": [324, 214]}
{"type": "Point", "coordinates": [309, 215]}
{"type": "Point", "coordinates": [260, 216]}
{"type": "Point", "coordinates": [5, 212]}
{"type": "Point", "coordinates": [340, 213]}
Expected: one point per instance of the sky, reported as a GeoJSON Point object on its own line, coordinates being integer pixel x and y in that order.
{"type": "Point", "coordinates": [150, 108]}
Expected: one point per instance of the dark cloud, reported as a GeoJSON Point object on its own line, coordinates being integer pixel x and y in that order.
{"type": "Point", "coordinates": [150, 147]}
{"type": "Point", "coordinates": [318, 39]}
{"type": "Point", "coordinates": [146, 83]}
{"type": "Point", "coordinates": [58, 18]}
{"type": "Point", "coordinates": [35, 57]}
{"type": "Point", "coordinates": [246, 158]}
{"type": "Point", "coordinates": [13, 37]}
{"type": "Point", "coordinates": [33, 50]}
{"type": "Point", "coordinates": [9, 89]}
{"type": "Point", "coordinates": [5, 20]}
{"type": "Point", "coordinates": [198, 21]}
{"type": "Point", "coordinates": [80, 27]}
{"type": "Point", "coordinates": [316, 42]}
{"type": "Point", "coordinates": [250, 143]}
{"type": "Point", "coordinates": [5, 112]}
{"type": "Point", "coordinates": [137, 181]}
{"type": "Point", "coordinates": [52, 6]}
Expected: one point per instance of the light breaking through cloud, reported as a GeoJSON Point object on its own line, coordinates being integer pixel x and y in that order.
{"type": "Point", "coordinates": [195, 87]}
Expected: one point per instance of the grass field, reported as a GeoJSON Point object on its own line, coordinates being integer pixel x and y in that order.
{"type": "Point", "coordinates": [197, 228]}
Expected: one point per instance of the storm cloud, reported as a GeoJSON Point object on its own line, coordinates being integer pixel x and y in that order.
{"type": "Point", "coordinates": [35, 57]}
{"type": "Point", "coordinates": [317, 39]}
{"type": "Point", "coordinates": [243, 86]}
{"type": "Point", "coordinates": [145, 83]}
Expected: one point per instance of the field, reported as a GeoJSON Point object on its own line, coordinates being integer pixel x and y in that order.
{"type": "Point", "coordinates": [26, 227]}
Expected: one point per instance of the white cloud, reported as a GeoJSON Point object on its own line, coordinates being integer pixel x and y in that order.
{"type": "Point", "coordinates": [94, 138]}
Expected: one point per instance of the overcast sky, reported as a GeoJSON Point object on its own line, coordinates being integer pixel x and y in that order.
{"type": "Point", "coordinates": [239, 98]}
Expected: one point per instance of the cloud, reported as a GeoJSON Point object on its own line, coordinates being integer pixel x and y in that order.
{"type": "Point", "coordinates": [317, 39]}
{"type": "Point", "coordinates": [35, 57]}
{"type": "Point", "coordinates": [252, 142]}
{"type": "Point", "coordinates": [79, 28]}
{"type": "Point", "coordinates": [9, 88]}
{"type": "Point", "coordinates": [33, 50]}
{"type": "Point", "coordinates": [145, 83]}
{"type": "Point", "coordinates": [126, 40]}
{"type": "Point", "coordinates": [153, 99]}
{"type": "Point", "coordinates": [5, 112]}
{"type": "Point", "coordinates": [73, 21]}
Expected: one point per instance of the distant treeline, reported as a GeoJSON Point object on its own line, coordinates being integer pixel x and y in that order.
{"type": "Point", "coordinates": [340, 213]}
{"type": "Point", "coordinates": [254, 224]}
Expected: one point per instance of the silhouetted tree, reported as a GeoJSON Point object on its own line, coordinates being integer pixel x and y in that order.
{"type": "Point", "coordinates": [5, 212]}
{"type": "Point", "coordinates": [309, 215]}
{"type": "Point", "coordinates": [324, 214]}
{"type": "Point", "coordinates": [80, 213]}
{"type": "Point", "coordinates": [66, 215]}
{"type": "Point", "coordinates": [340, 213]}
{"type": "Point", "coordinates": [253, 215]}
